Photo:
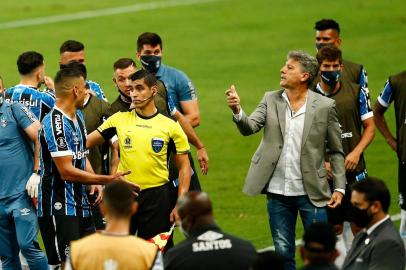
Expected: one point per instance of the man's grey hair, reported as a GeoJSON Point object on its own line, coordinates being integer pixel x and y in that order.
{"type": "Point", "coordinates": [307, 62]}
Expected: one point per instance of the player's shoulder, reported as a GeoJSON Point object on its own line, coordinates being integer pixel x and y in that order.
{"type": "Point", "coordinates": [163, 118]}
{"type": "Point", "coordinates": [93, 84]}
{"type": "Point", "coordinates": [351, 64]}
{"type": "Point", "coordinates": [175, 73]}
{"type": "Point", "coordinates": [401, 75]}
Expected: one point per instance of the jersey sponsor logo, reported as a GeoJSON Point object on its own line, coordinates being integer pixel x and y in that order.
{"type": "Point", "coordinates": [29, 114]}
{"type": "Point", "coordinates": [127, 143]}
{"type": "Point", "coordinates": [61, 142]}
{"type": "Point", "coordinates": [26, 102]}
{"type": "Point", "coordinates": [3, 122]}
{"type": "Point", "coordinates": [58, 124]}
{"type": "Point", "coordinates": [211, 240]}
{"type": "Point", "coordinates": [25, 211]}
{"type": "Point", "coordinates": [346, 135]}
{"type": "Point", "coordinates": [58, 206]}
{"type": "Point", "coordinates": [80, 154]}
{"type": "Point", "coordinates": [110, 264]}
{"type": "Point", "coordinates": [212, 245]}
{"type": "Point", "coordinates": [143, 126]}
{"type": "Point", "coordinates": [157, 144]}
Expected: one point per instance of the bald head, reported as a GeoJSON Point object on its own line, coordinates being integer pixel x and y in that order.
{"type": "Point", "coordinates": [195, 209]}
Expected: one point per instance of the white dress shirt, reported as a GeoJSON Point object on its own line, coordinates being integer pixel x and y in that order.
{"type": "Point", "coordinates": [287, 178]}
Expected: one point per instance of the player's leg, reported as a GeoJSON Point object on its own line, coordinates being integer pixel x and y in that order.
{"type": "Point", "coordinates": [282, 213]}
{"type": "Point", "coordinates": [87, 226]}
{"type": "Point", "coordinates": [8, 239]}
{"type": "Point", "coordinates": [153, 215]}
{"type": "Point", "coordinates": [402, 198]}
{"type": "Point", "coordinates": [25, 220]}
{"type": "Point", "coordinates": [47, 225]}
{"type": "Point", "coordinates": [194, 179]}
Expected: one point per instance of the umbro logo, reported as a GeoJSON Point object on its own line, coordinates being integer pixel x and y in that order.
{"type": "Point", "coordinates": [25, 211]}
{"type": "Point", "coordinates": [210, 236]}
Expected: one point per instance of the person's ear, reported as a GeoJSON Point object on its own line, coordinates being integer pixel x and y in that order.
{"type": "Point", "coordinates": [134, 208]}
{"type": "Point", "coordinates": [114, 80]}
{"type": "Point", "coordinates": [154, 90]}
{"type": "Point", "coordinates": [305, 76]}
{"type": "Point", "coordinates": [102, 209]}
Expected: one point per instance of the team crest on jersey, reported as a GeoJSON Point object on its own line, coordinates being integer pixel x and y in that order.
{"type": "Point", "coordinates": [3, 122]}
{"type": "Point", "coordinates": [157, 144]}
{"type": "Point", "coordinates": [75, 138]}
{"type": "Point", "coordinates": [127, 143]}
{"type": "Point", "coordinates": [61, 142]}
{"type": "Point", "coordinates": [58, 206]}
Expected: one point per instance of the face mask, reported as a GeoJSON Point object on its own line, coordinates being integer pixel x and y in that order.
{"type": "Point", "coordinates": [151, 62]}
{"type": "Point", "coordinates": [321, 45]}
{"type": "Point", "coordinates": [360, 216]}
{"type": "Point", "coordinates": [330, 77]}
{"type": "Point", "coordinates": [185, 233]}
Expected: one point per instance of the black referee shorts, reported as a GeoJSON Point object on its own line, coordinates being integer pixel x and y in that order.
{"type": "Point", "coordinates": [402, 184]}
{"type": "Point", "coordinates": [341, 213]}
{"type": "Point", "coordinates": [58, 231]}
{"type": "Point", "coordinates": [152, 217]}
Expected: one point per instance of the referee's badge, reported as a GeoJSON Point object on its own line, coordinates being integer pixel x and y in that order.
{"type": "Point", "coordinates": [157, 144]}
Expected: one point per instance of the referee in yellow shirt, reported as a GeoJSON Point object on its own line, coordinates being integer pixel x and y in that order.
{"type": "Point", "coordinates": [146, 138]}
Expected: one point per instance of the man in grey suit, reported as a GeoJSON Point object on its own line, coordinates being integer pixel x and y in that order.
{"type": "Point", "coordinates": [379, 246]}
{"type": "Point", "coordinates": [300, 126]}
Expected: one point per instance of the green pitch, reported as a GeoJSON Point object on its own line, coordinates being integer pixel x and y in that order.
{"type": "Point", "coordinates": [217, 44]}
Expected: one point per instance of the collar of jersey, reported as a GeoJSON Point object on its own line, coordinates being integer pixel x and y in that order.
{"type": "Point", "coordinates": [147, 117]}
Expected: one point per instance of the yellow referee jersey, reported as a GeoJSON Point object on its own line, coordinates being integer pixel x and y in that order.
{"type": "Point", "coordinates": [144, 144]}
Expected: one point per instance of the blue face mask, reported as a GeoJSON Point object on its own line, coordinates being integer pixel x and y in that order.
{"type": "Point", "coordinates": [331, 78]}
{"type": "Point", "coordinates": [151, 62]}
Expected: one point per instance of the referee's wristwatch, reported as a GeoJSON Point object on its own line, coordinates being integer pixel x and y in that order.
{"type": "Point", "coordinates": [37, 172]}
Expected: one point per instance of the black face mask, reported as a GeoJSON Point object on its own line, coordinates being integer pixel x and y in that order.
{"type": "Point", "coordinates": [360, 216]}
{"type": "Point", "coordinates": [321, 45]}
{"type": "Point", "coordinates": [330, 78]}
{"type": "Point", "coordinates": [151, 62]}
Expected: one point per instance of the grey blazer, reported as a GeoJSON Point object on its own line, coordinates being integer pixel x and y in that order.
{"type": "Point", "coordinates": [321, 134]}
{"type": "Point", "coordinates": [383, 249]}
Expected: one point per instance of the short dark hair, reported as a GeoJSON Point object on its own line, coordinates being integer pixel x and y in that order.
{"type": "Point", "coordinates": [63, 80]}
{"type": "Point", "coordinates": [374, 189]}
{"type": "Point", "coordinates": [329, 53]}
{"type": "Point", "coordinates": [148, 38]}
{"type": "Point", "coordinates": [27, 62]}
{"type": "Point", "coordinates": [119, 198]}
{"type": "Point", "coordinates": [76, 65]}
{"type": "Point", "coordinates": [326, 24]}
{"type": "Point", "coordinates": [323, 235]}
{"type": "Point", "coordinates": [149, 78]}
{"type": "Point", "coordinates": [71, 46]}
{"type": "Point", "coordinates": [123, 63]}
